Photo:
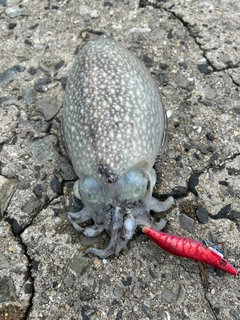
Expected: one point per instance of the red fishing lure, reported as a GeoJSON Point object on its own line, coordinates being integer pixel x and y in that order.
{"type": "Point", "coordinates": [189, 248]}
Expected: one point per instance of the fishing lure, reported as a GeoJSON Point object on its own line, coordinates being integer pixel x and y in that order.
{"type": "Point", "coordinates": [190, 248]}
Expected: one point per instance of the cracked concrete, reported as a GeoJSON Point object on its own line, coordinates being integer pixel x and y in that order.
{"type": "Point", "coordinates": [192, 49]}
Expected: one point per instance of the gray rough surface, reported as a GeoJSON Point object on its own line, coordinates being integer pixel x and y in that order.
{"type": "Point", "coordinates": [192, 48]}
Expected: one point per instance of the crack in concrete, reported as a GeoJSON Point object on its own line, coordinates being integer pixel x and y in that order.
{"type": "Point", "coordinates": [211, 309]}
{"type": "Point", "coordinates": [25, 249]}
{"type": "Point", "coordinates": [233, 81]}
{"type": "Point", "coordinates": [232, 157]}
{"type": "Point", "coordinates": [186, 269]}
{"type": "Point", "coordinates": [194, 36]}
{"type": "Point", "coordinates": [190, 29]}
{"type": "Point", "coordinates": [29, 266]}
{"type": "Point", "coordinates": [205, 288]}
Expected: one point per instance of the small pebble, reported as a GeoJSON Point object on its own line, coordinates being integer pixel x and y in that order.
{"type": "Point", "coordinates": [7, 189]}
{"type": "Point", "coordinates": [187, 146]}
{"type": "Point", "coordinates": [12, 25]}
{"type": "Point", "coordinates": [213, 159]}
{"type": "Point", "coordinates": [34, 128]}
{"type": "Point", "coordinates": [237, 110]}
{"type": "Point", "coordinates": [17, 229]}
{"type": "Point", "coordinates": [181, 294]}
{"type": "Point", "coordinates": [51, 247]}
{"type": "Point", "coordinates": [178, 158]}
{"type": "Point", "coordinates": [43, 149]}
{"type": "Point", "coordinates": [58, 220]}
{"type": "Point", "coordinates": [187, 223]}
{"type": "Point", "coordinates": [147, 61]}
{"type": "Point", "coordinates": [183, 65]}
{"type": "Point", "coordinates": [167, 295]}
{"type": "Point", "coordinates": [137, 292]}
{"type": "Point", "coordinates": [32, 205]}
{"type": "Point", "coordinates": [203, 150]}
{"type": "Point", "coordinates": [106, 280]}
{"type": "Point", "coordinates": [127, 282]}
{"type": "Point", "coordinates": [28, 289]}
{"type": "Point", "coordinates": [222, 213]}
{"type": "Point", "coordinates": [193, 182]}
{"type": "Point", "coordinates": [85, 295]}
{"type": "Point", "coordinates": [8, 293]}
{"type": "Point", "coordinates": [202, 215]}
{"type": "Point", "coordinates": [234, 215]}
{"type": "Point", "coordinates": [3, 99]}
{"type": "Point", "coordinates": [170, 34]}
{"type": "Point", "coordinates": [161, 77]}
{"type": "Point", "coordinates": [234, 313]}
{"type": "Point", "coordinates": [10, 74]}
{"type": "Point", "coordinates": [104, 261]}
{"type": "Point", "coordinates": [118, 292]}
{"type": "Point", "coordinates": [169, 113]}
{"type": "Point", "coordinates": [210, 136]}
{"type": "Point", "coordinates": [96, 263]}
{"type": "Point", "coordinates": [35, 265]}
{"type": "Point", "coordinates": [199, 129]}
{"type": "Point", "coordinates": [140, 30]}
{"type": "Point", "coordinates": [28, 42]}
{"type": "Point", "coordinates": [59, 65]}
{"type": "Point", "coordinates": [66, 170]}
{"type": "Point", "coordinates": [32, 71]}
{"type": "Point", "coordinates": [233, 171]}
{"type": "Point", "coordinates": [56, 186]}
{"type": "Point", "coordinates": [80, 265]}
{"type": "Point", "coordinates": [223, 183]}
{"type": "Point", "coordinates": [209, 92]}
{"type": "Point", "coordinates": [34, 26]}
{"type": "Point", "coordinates": [85, 10]}
{"type": "Point", "coordinates": [38, 191]}
{"type": "Point", "coordinates": [3, 3]}
{"type": "Point", "coordinates": [147, 311]}
{"type": "Point", "coordinates": [49, 71]}
{"type": "Point", "coordinates": [64, 82]}
{"type": "Point", "coordinates": [178, 191]}
{"type": "Point", "coordinates": [47, 107]}
{"type": "Point", "coordinates": [120, 313]}
{"type": "Point", "coordinates": [16, 11]}
{"type": "Point", "coordinates": [205, 103]}
{"type": "Point", "coordinates": [182, 82]}
{"type": "Point", "coordinates": [69, 280]}
{"type": "Point", "coordinates": [152, 274]}
{"type": "Point", "coordinates": [107, 4]}
{"type": "Point", "coordinates": [43, 300]}
{"type": "Point", "coordinates": [29, 96]}
{"type": "Point", "coordinates": [40, 85]}
{"type": "Point", "coordinates": [210, 149]}
{"type": "Point", "coordinates": [187, 129]}
{"type": "Point", "coordinates": [204, 68]}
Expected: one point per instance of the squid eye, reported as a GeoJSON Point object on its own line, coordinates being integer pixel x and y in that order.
{"type": "Point", "coordinates": [133, 185]}
{"type": "Point", "coordinates": [90, 190]}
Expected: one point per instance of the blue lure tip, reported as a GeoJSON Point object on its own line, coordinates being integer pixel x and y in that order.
{"type": "Point", "coordinates": [213, 247]}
